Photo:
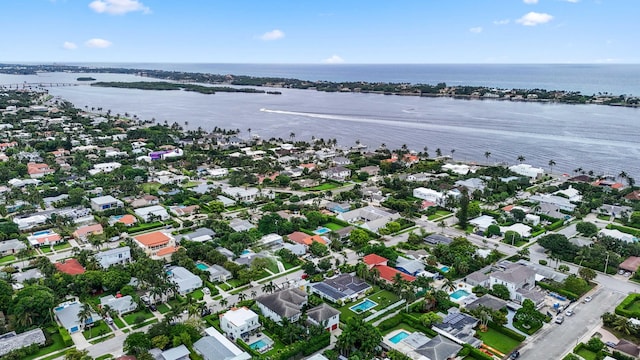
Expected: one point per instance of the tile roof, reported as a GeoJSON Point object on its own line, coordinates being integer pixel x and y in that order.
{"type": "Point", "coordinates": [373, 259]}
{"type": "Point", "coordinates": [152, 239]}
{"type": "Point", "coordinates": [128, 219]}
{"type": "Point", "coordinates": [70, 266]}
{"type": "Point", "coordinates": [166, 251]}
{"type": "Point", "coordinates": [388, 273]}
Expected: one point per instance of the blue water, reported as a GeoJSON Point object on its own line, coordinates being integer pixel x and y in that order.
{"type": "Point", "coordinates": [245, 252]}
{"type": "Point", "coordinates": [598, 138]}
{"type": "Point", "coordinates": [42, 232]}
{"type": "Point", "coordinates": [117, 217]}
{"type": "Point", "coordinates": [459, 294]}
{"type": "Point", "coordinates": [363, 306]}
{"type": "Point", "coordinates": [59, 308]}
{"type": "Point", "coordinates": [399, 337]}
{"type": "Point", "coordinates": [322, 231]}
{"type": "Point", "coordinates": [202, 266]}
{"type": "Point", "coordinates": [259, 344]}
{"type": "Point", "coordinates": [444, 268]}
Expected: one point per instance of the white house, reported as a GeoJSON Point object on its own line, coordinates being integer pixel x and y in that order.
{"type": "Point", "coordinates": [460, 169]}
{"type": "Point", "coordinates": [214, 346]}
{"type": "Point", "coordinates": [218, 274]}
{"type": "Point", "coordinates": [527, 170]}
{"type": "Point", "coordinates": [368, 217]}
{"type": "Point", "coordinates": [522, 229]}
{"type": "Point", "coordinates": [218, 173]}
{"type": "Point", "coordinates": [67, 314]}
{"type": "Point", "coordinates": [185, 279]}
{"type": "Point", "coordinates": [248, 194]}
{"type": "Point", "coordinates": [150, 212]}
{"type": "Point", "coordinates": [102, 203]}
{"type": "Point", "coordinates": [104, 167]}
{"type": "Point", "coordinates": [571, 193]}
{"type": "Point", "coordinates": [239, 323]}
{"type": "Point", "coordinates": [429, 195]}
{"type": "Point", "coordinates": [271, 240]}
{"type": "Point", "coordinates": [520, 280]}
{"type": "Point", "coordinates": [483, 222]}
{"type": "Point", "coordinates": [617, 234]}
{"type": "Point", "coordinates": [120, 255]}
{"type": "Point", "coordinates": [337, 173]}
{"type": "Point", "coordinates": [121, 305]}
{"type": "Point", "coordinates": [557, 201]}
{"type": "Point", "coordinates": [324, 315]}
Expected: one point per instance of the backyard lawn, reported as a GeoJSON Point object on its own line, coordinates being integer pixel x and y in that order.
{"type": "Point", "coordinates": [333, 226]}
{"type": "Point", "coordinates": [149, 187]}
{"type": "Point", "coordinates": [163, 308]}
{"type": "Point", "coordinates": [497, 340]}
{"type": "Point", "coordinates": [64, 245]}
{"type": "Point", "coordinates": [98, 329]}
{"type": "Point", "coordinates": [438, 214]}
{"type": "Point", "coordinates": [323, 187]}
{"type": "Point", "coordinates": [57, 344]}
{"type": "Point", "coordinates": [198, 294]}
{"type": "Point", "coordinates": [131, 318]}
{"type": "Point", "coordinates": [586, 354]}
{"type": "Point", "coordinates": [382, 298]}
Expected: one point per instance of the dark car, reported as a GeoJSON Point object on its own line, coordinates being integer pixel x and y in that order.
{"type": "Point", "coordinates": [515, 355]}
{"type": "Point", "coordinates": [205, 312]}
{"type": "Point", "coordinates": [152, 307]}
{"type": "Point", "coordinates": [610, 344]}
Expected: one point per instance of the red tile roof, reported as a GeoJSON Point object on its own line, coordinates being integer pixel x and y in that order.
{"type": "Point", "coordinates": [70, 266]}
{"type": "Point", "coordinates": [635, 195]}
{"type": "Point", "coordinates": [374, 259]}
{"type": "Point", "coordinates": [128, 219]}
{"type": "Point", "coordinates": [297, 237]}
{"type": "Point", "coordinates": [388, 273]}
{"type": "Point", "coordinates": [152, 239]}
{"type": "Point", "coordinates": [166, 251]}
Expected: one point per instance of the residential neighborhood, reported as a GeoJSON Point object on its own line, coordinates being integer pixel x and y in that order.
{"type": "Point", "coordinates": [218, 244]}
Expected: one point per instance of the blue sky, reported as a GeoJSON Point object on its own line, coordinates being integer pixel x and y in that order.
{"type": "Point", "coordinates": [323, 31]}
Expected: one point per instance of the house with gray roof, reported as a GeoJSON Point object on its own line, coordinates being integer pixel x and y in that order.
{"type": "Point", "coordinates": [325, 316]}
{"type": "Point", "coordinates": [459, 327]}
{"type": "Point", "coordinates": [185, 279]}
{"type": "Point", "coordinates": [218, 274]}
{"type": "Point", "coordinates": [439, 348]}
{"type": "Point", "coordinates": [11, 247]}
{"type": "Point", "coordinates": [238, 225]}
{"type": "Point", "coordinates": [67, 314]}
{"type": "Point", "coordinates": [369, 217]}
{"type": "Point", "coordinates": [435, 239]}
{"type": "Point", "coordinates": [412, 267]}
{"type": "Point", "coordinates": [341, 288]}
{"type": "Point", "coordinates": [488, 301]}
{"type": "Point", "coordinates": [520, 280]}
{"type": "Point", "coordinates": [24, 275]}
{"type": "Point", "coordinates": [283, 304]}
{"type": "Point", "coordinates": [102, 203]}
{"type": "Point", "coordinates": [107, 258]}
{"type": "Point", "coordinates": [199, 235]}
{"type": "Point", "coordinates": [215, 346]}
{"type": "Point", "coordinates": [472, 184]}
{"type": "Point", "coordinates": [177, 353]}
{"type": "Point", "coordinates": [121, 305]}
{"type": "Point", "coordinates": [12, 341]}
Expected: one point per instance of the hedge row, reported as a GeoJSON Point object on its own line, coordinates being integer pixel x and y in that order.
{"type": "Point", "coordinates": [66, 338]}
{"type": "Point", "coordinates": [568, 294]}
{"type": "Point", "coordinates": [624, 229]}
{"type": "Point", "coordinates": [556, 225]}
{"type": "Point", "coordinates": [469, 351]}
{"type": "Point", "coordinates": [622, 309]}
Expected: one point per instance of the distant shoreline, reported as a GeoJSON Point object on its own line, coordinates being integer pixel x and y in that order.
{"type": "Point", "coordinates": [398, 89]}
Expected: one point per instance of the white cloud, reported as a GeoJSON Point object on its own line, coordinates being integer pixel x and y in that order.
{"type": "Point", "coordinates": [69, 45]}
{"type": "Point", "coordinates": [530, 1]}
{"type": "Point", "coordinates": [476, 30]}
{"type": "Point", "coordinates": [118, 7]}
{"type": "Point", "coordinates": [534, 18]}
{"type": "Point", "coordinates": [334, 59]}
{"type": "Point", "coordinates": [272, 35]}
{"type": "Point", "coordinates": [501, 22]}
{"type": "Point", "coordinates": [98, 43]}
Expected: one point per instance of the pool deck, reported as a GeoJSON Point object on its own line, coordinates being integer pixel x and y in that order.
{"type": "Point", "coordinates": [254, 338]}
{"type": "Point", "coordinates": [461, 285]}
{"type": "Point", "coordinates": [400, 346]}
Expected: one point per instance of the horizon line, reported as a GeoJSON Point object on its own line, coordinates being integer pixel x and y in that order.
{"type": "Point", "coordinates": [315, 64]}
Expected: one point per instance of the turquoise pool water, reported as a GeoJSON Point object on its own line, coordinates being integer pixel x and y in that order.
{"type": "Point", "coordinates": [322, 231]}
{"type": "Point", "coordinates": [444, 268]}
{"type": "Point", "coordinates": [245, 252]}
{"type": "Point", "coordinates": [399, 337]}
{"type": "Point", "coordinates": [202, 266]}
{"type": "Point", "coordinates": [259, 344]}
{"type": "Point", "coordinates": [117, 217]}
{"type": "Point", "coordinates": [43, 232]}
{"type": "Point", "coordinates": [363, 306]}
{"type": "Point", "coordinates": [459, 294]}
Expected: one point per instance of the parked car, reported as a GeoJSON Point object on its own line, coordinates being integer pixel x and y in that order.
{"type": "Point", "coordinates": [569, 312]}
{"type": "Point", "coordinates": [206, 290]}
{"type": "Point", "coordinates": [627, 274]}
{"type": "Point", "coordinates": [610, 344]}
{"type": "Point", "coordinates": [515, 355]}
{"type": "Point", "coordinates": [588, 298]}
{"type": "Point", "coordinates": [559, 319]}
{"type": "Point", "coordinates": [621, 272]}
{"type": "Point", "coordinates": [152, 307]}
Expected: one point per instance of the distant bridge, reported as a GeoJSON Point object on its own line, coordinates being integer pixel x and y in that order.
{"type": "Point", "coordinates": [27, 85]}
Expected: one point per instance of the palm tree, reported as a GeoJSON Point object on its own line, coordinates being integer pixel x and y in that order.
{"type": "Point", "coordinates": [622, 325]}
{"type": "Point", "coordinates": [521, 158]}
{"type": "Point", "coordinates": [442, 226]}
{"type": "Point", "coordinates": [452, 151]}
{"type": "Point", "coordinates": [487, 155]}
{"type": "Point", "coordinates": [551, 165]}
{"type": "Point", "coordinates": [253, 294]}
{"type": "Point", "coordinates": [292, 136]}
{"type": "Point", "coordinates": [224, 302]}
{"type": "Point", "coordinates": [448, 285]}
{"type": "Point", "coordinates": [623, 175]}
{"type": "Point", "coordinates": [242, 297]}
{"type": "Point", "coordinates": [85, 315]}
{"type": "Point", "coordinates": [438, 152]}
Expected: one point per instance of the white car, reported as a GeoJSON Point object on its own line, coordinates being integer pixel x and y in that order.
{"type": "Point", "coordinates": [206, 290]}
{"type": "Point", "coordinates": [569, 312]}
{"type": "Point", "coordinates": [588, 298]}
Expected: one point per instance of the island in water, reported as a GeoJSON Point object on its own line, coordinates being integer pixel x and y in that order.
{"type": "Point", "coordinates": [86, 78]}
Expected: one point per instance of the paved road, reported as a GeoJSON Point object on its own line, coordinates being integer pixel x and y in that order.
{"type": "Point", "coordinates": [555, 340]}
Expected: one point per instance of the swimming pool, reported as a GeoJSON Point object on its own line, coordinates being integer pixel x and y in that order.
{"type": "Point", "coordinates": [42, 232]}
{"type": "Point", "coordinates": [245, 252]}
{"type": "Point", "coordinates": [363, 306]}
{"type": "Point", "coordinates": [322, 231]}
{"type": "Point", "coordinates": [444, 268]}
{"type": "Point", "coordinates": [458, 294]}
{"type": "Point", "coordinates": [202, 266]}
{"type": "Point", "coordinates": [117, 217]}
{"type": "Point", "coordinates": [399, 337]}
{"type": "Point", "coordinates": [261, 345]}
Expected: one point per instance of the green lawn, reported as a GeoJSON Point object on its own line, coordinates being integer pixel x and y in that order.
{"type": "Point", "coordinates": [64, 245]}
{"type": "Point", "coordinates": [163, 308]}
{"type": "Point", "coordinates": [273, 267]}
{"type": "Point", "coordinates": [333, 226]}
{"type": "Point", "coordinates": [497, 340]}
{"type": "Point", "coordinates": [119, 323]}
{"type": "Point", "coordinates": [634, 306]}
{"type": "Point", "coordinates": [104, 338]}
{"type": "Point", "coordinates": [131, 318]}
{"type": "Point", "coordinates": [234, 283]}
{"type": "Point", "coordinates": [45, 249]}
{"type": "Point", "coordinates": [401, 326]}
{"type": "Point", "coordinates": [439, 214]}
{"type": "Point", "coordinates": [99, 328]}
{"type": "Point", "coordinates": [383, 298]}
{"type": "Point", "coordinates": [586, 354]}
{"type": "Point", "coordinates": [148, 322]}
{"type": "Point", "coordinates": [323, 187]}
{"type": "Point", "coordinates": [287, 265]}
{"type": "Point", "coordinates": [7, 259]}
{"type": "Point", "coordinates": [198, 294]}
{"type": "Point", "coordinates": [149, 187]}
{"type": "Point", "coordinates": [57, 344]}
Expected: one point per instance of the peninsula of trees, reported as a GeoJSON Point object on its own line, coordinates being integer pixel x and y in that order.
{"type": "Point", "coordinates": [163, 85]}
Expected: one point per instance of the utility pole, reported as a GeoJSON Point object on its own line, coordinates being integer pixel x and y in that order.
{"type": "Point", "coordinates": [606, 264]}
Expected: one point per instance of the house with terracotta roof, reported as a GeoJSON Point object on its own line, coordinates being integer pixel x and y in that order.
{"type": "Point", "coordinates": [386, 272]}
{"type": "Point", "coordinates": [83, 232]}
{"type": "Point", "coordinates": [44, 238]}
{"type": "Point", "coordinates": [305, 239]}
{"type": "Point", "coordinates": [633, 196]}
{"type": "Point", "coordinates": [156, 244]}
{"type": "Point", "coordinates": [184, 210]}
{"type": "Point", "coordinates": [127, 220]}
{"type": "Point", "coordinates": [38, 170]}
{"type": "Point", "coordinates": [70, 267]}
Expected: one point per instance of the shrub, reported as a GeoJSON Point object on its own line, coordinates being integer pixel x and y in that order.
{"type": "Point", "coordinates": [542, 262]}
{"type": "Point", "coordinates": [66, 338]}
{"type": "Point", "coordinates": [622, 309]}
